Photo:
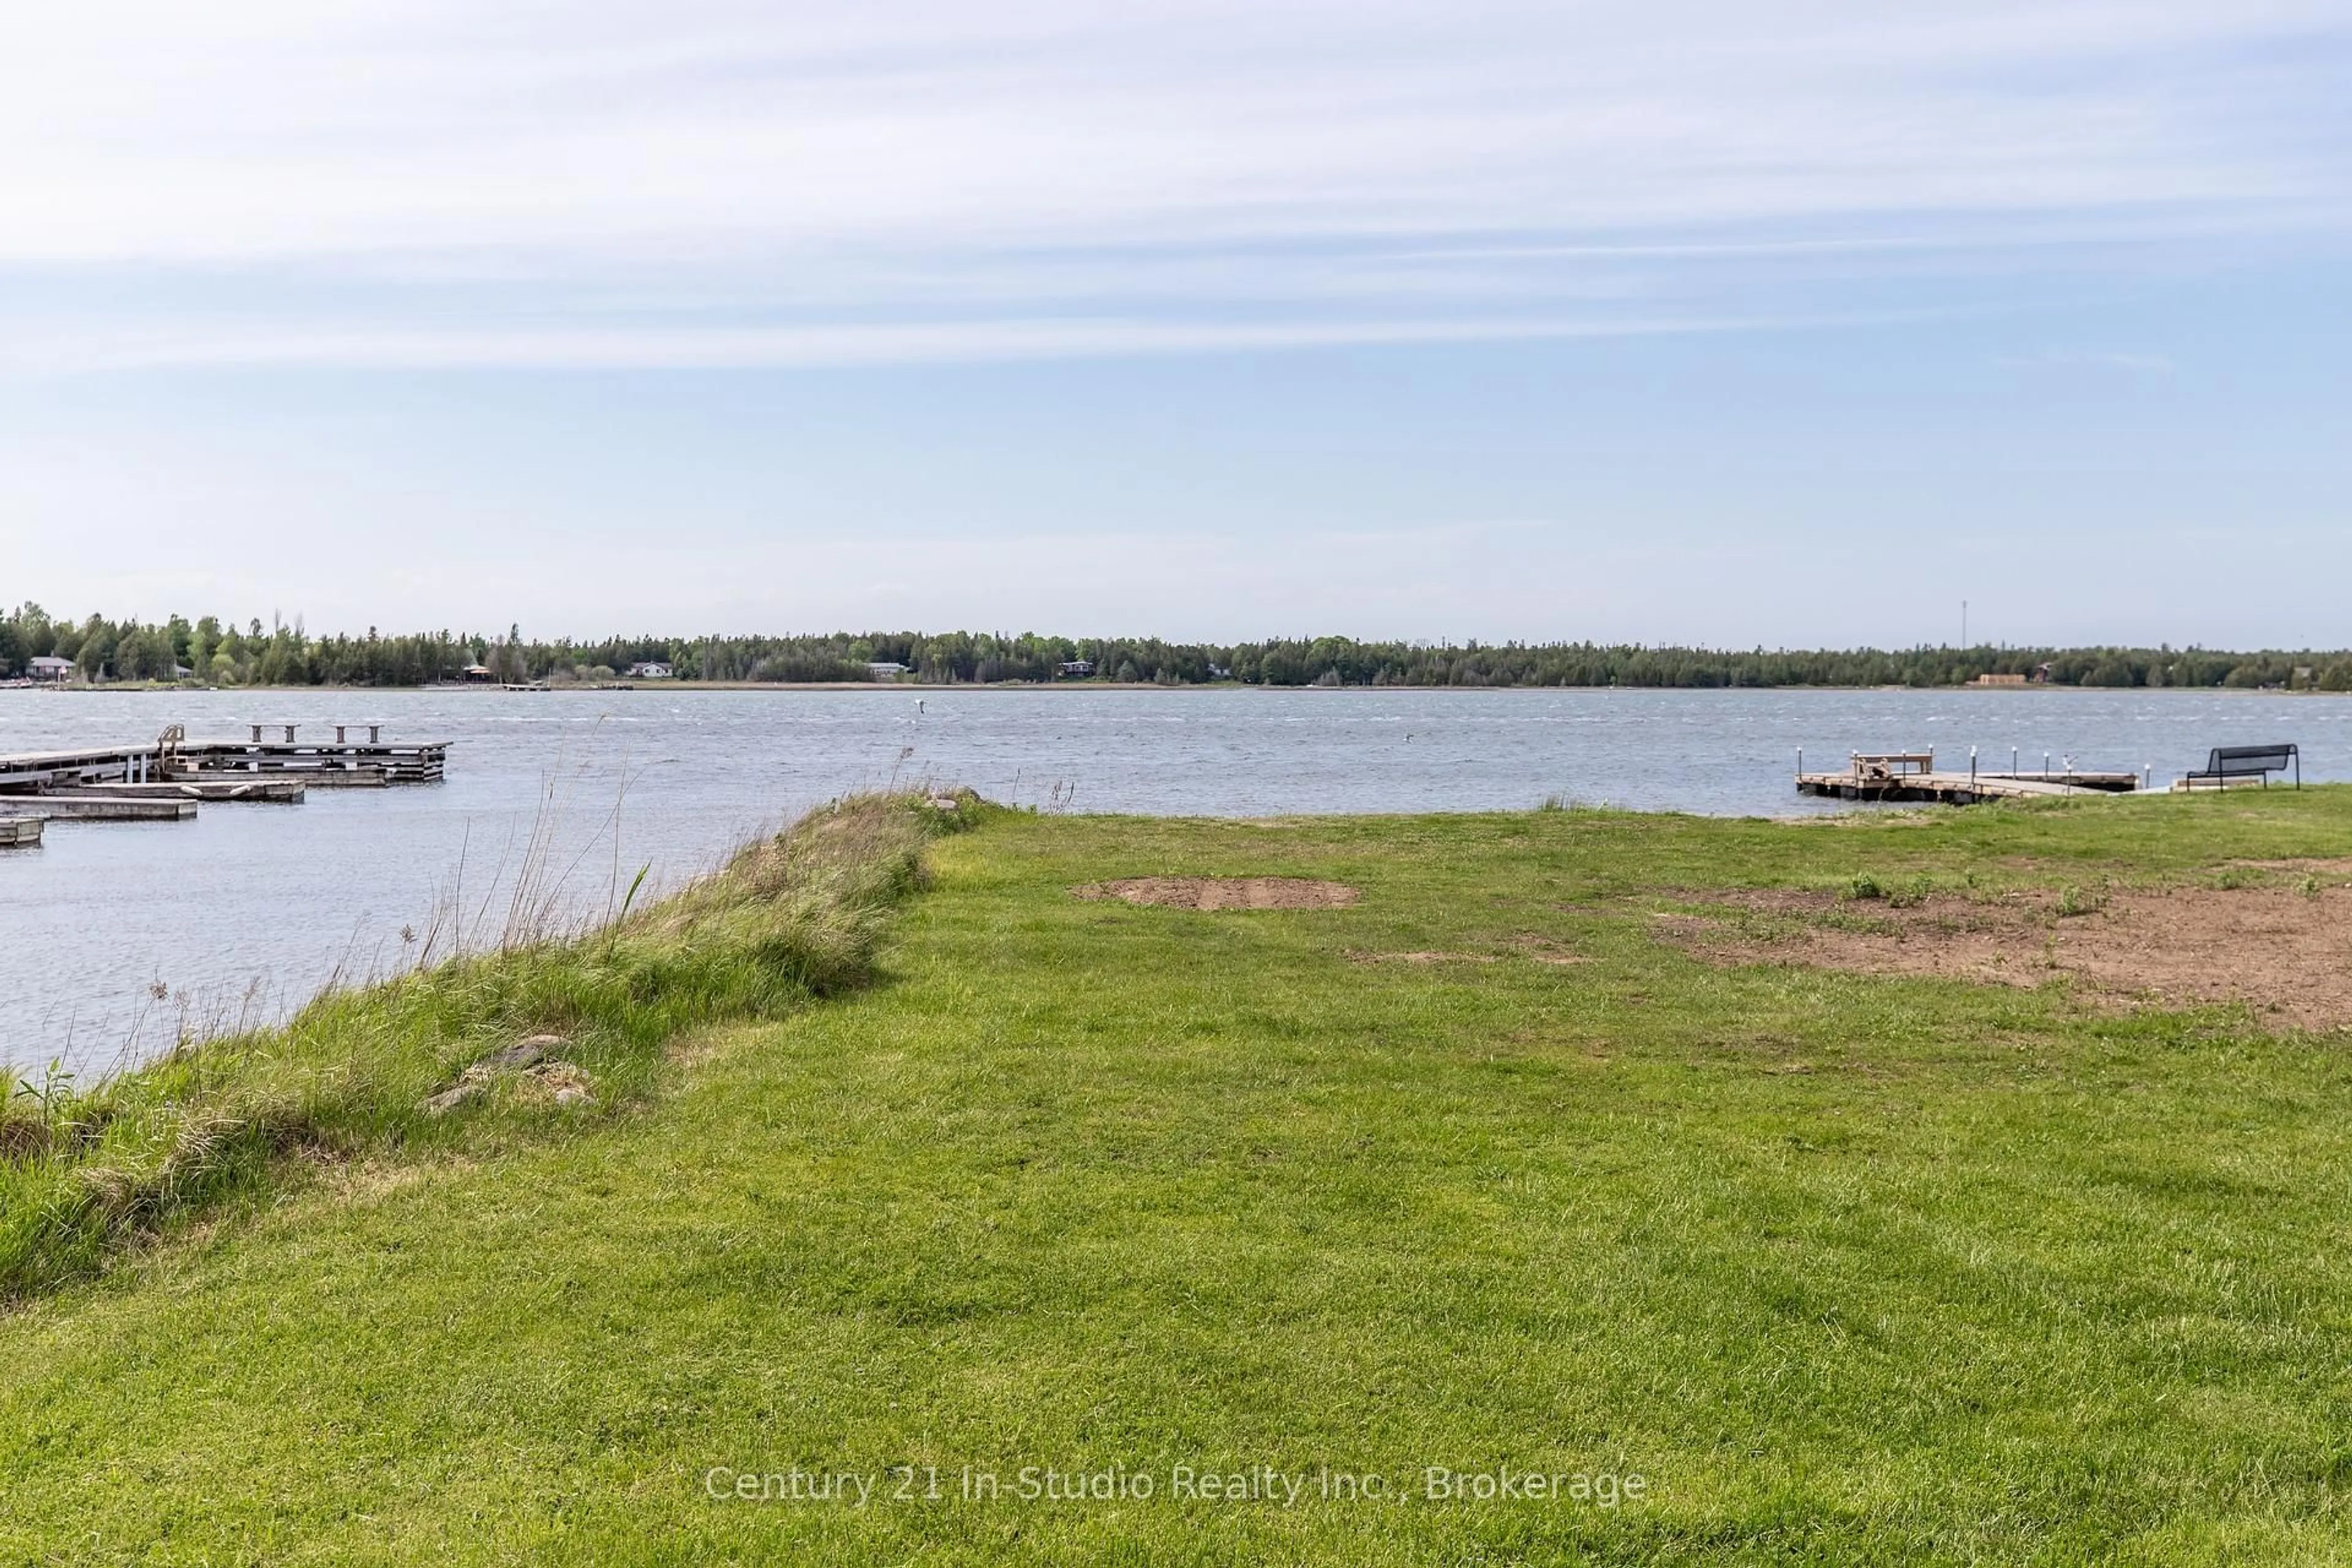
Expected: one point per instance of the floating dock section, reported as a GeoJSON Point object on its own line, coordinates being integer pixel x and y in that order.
{"type": "Point", "coordinates": [116, 808]}
{"type": "Point", "coordinates": [1912, 776]}
{"type": "Point", "coordinates": [280, 790]}
{"type": "Point", "coordinates": [165, 780]}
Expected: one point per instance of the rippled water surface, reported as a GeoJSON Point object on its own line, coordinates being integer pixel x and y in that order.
{"type": "Point", "coordinates": [249, 908]}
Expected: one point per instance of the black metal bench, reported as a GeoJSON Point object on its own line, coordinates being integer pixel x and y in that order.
{"type": "Point", "coordinates": [2229, 762]}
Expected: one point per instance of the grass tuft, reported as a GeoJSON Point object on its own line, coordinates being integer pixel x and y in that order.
{"type": "Point", "coordinates": [2075, 901]}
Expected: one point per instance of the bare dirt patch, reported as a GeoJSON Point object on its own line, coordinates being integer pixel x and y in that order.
{"type": "Point", "coordinates": [2284, 951]}
{"type": "Point", "coordinates": [1422, 958]}
{"type": "Point", "coordinates": [1224, 892]}
{"type": "Point", "coordinates": [1530, 945]}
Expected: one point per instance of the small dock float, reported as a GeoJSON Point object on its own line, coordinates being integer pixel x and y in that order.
{"type": "Point", "coordinates": [1912, 776]}
{"type": "Point", "coordinates": [275, 791]}
{"type": "Point", "coordinates": [116, 808]}
{"type": "Point", "coordinates": [19, 831]}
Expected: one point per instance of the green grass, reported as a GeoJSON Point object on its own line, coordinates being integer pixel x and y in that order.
{"type": "Point", "coordinates": [1847, 1268]}
{"type": "Point", "coordinates": [85, 1171]}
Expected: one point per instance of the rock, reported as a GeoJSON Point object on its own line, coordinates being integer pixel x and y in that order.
{"type": "Point", "coordinates": [449, 1099]}
{"type": "Point", "coordinates": [559, 1083]}
{"type": "Point", "coordinates": [538, 1077]}
{"type": "Point", "coordinates": [523, 1053]}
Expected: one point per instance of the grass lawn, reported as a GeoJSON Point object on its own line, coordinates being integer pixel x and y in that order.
{"type": "Point", "coordinates": [1845, 1268]}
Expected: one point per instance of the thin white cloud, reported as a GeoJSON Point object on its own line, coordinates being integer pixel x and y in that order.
{"type": "Point", "coordinates": [96, 349]}
{"type": "Point", "coordinates": [1151, 161]}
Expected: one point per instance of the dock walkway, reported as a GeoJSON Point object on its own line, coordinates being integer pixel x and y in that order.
{"type": "Point", "coordinates": [1912, 776]}
{"type": "Point", "coordinates": [114, 809]}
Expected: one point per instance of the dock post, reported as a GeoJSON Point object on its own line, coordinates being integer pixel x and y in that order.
{"type": "Point", "coordinates": [375, 731]}
{"type": "Point", "coordinates": [289, 735]}
{"type": "Point", "coordinates": [1972, 770]}
{"type": "Point", "coordinates": [256, 734]}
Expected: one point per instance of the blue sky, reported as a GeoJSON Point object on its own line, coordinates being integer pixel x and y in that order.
{"type": "Point", "coordinates": [1769, 322]}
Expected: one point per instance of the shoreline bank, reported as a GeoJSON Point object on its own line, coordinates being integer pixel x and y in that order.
{"type": "Point", "coordinates": [89, 1168]}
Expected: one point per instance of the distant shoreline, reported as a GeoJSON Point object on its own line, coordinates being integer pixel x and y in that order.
{"type": "Point", "coordinates": [885, 686]}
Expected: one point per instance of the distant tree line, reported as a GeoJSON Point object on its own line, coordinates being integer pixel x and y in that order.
{"type": "Point", "coordinates": [212, 652]}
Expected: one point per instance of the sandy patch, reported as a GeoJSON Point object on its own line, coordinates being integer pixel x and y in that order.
{"type": "Point", "coordinates": [2285, 952]}
{"type": "Point", "coordinates": [1421, 958]}
{"type": "Point", "coordinates": [1224, 892]}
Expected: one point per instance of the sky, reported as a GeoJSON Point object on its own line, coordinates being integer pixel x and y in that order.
{"type": "Point", "coordinates": [1766, 323]}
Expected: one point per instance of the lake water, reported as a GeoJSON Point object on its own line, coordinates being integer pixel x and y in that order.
{"type": "Point", "coordinates": [249, 910]}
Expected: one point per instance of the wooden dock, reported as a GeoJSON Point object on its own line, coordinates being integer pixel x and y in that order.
{"type": "Point", "coordinates": [320, 765]}
{"type": "Point", "coordinates": [1898, 776]}
{"type": "Point", "coordinates": [30, 773]}
{"type": "Point", "coordinates": [275, 791]}
{"type": "Point", "coordinates": [319, 761]}
{"type": "Point", "coordinates": [117, 808]}
{"type": "Point", "coordinates": [164, 781]}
